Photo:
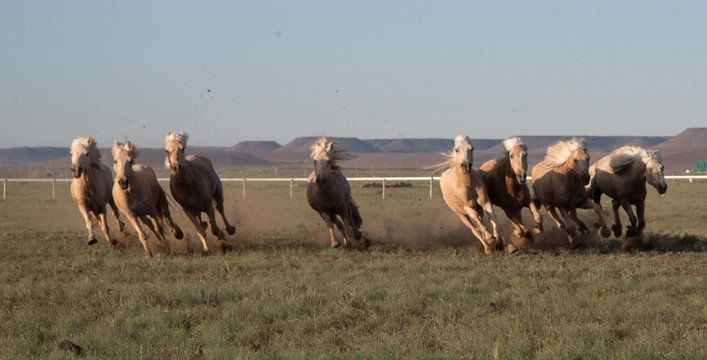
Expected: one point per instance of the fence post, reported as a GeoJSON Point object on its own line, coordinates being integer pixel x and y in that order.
{"type": "Point", "coordinates": [54, 189]}
{"type": "Point", "coordinates": [431, 180]}
{"type": "Point", "coordinates": [291, 181]}
{"type": "Point", "coordinates": [383, 188]}
{"type": "Point", "coordinates": [4, 188]}
{"type": "Point", "coordinates": [243, 188]}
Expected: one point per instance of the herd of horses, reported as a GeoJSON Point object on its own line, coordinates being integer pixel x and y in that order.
{"type": "Point", "coordinates": [563, 181]}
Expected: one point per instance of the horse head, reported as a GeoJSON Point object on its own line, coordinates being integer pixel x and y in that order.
{"type": "Point", "coordinates": [81, 155]}
{"type": "Point", "coordinates": [654, 171]}
{"type": "Point", "coordinates": [580, 165]}
{"type": "Point", "coordinates": [573, 155]}
{"type": "Point", "coordinates": [123, 159]}
{"type": "Point", "coordinates": [463, 153]}
{"type": "Point", "coordinates": [518, 157]}
{"type": "Point", "coordinates": [174, 149]}
{"type": "Point", "coordinates": [323, 155]}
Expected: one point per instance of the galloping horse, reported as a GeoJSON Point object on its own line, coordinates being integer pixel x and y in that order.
{"type": "Point", "coordinates": [464, 192]}
{"type": "Point", "coordinates": [195, 186]}
{"type": "Point", "coordinates": [622, 175]}
{"type": "Point", "coordinates": [558, 182]}
{"type": "Point", "coordinates": [137, 194]}
{"type": "Point", "coordinates": [91, 187]}
{"type": "Point", "coordinates": [504, 178]}
{"type": "Point", "coordinates": [329, 194]}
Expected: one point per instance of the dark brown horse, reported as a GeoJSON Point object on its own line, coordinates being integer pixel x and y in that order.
{"type": "Point", "coordinates": [504, 178]}
{"type": "Point", "coordinates": [622, 175]}
{"type": "Point", "coordinates": [195, 186]}
{"type": "Point", "coordinates": [329, 194]}
{"type": "Point", "coordinates": [558, 182]}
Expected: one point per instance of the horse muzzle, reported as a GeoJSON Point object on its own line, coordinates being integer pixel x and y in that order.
{"type": "Point", "coordinates": [124, 184]}
{"type": "Point", "coordinates": [662, 188]}
{"type": "Point", "coordinates": [176, 169]}
{"type": "Point", "coordinates": [321, 181]}
{"type": "Point", "coordinates": [466, 167]}
{"type": "Point", "coordinates": [76, 172]}
{"type": "Point", "coordinates": [521, 178]}
{"type": "Point", "coordinates": [584, 178]}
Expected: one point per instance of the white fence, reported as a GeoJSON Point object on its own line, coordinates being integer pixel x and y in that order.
{"type": "Point", "coordinates": [383, 180]}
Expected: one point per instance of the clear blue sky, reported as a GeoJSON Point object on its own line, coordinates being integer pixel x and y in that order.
{"type": "Point", "coordinates": [275, 70]}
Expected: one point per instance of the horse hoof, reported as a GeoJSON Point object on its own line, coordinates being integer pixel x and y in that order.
{"type": "Point", "coordinates": [204, 224]}
{"type": "Point", "coordinates": [335, 245]}
{"type": "Point", "coordinates": [604, 231]}
{"type": "Point", "coordinates": [92, 241]}
{"type": "Point", "coordinates": [617, 231]}
{"type": "Point", "coordinates": [511, 249]}
{"type": "Point", "coordinates": [231, 230]}
{"type": "Point", "coordinates": [113, 242]}
{"type": "Point", "coordinates": [178, 234]}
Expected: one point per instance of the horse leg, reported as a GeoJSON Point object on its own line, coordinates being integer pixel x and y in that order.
{"type": "Point", "coordinates": [617, 220]}
{"type": "Point", "coordinates": [582, 226]}
{"type": "Point", "coordinates": [640, 210]}
{"type": "Point", "coordinates": [116, 214]}
{"type": "Point", "coordinates": [488, 209]}
{"type": "Point", "coordinates": [330, 227]}
{"type": "Point", "coordinates": [214, 227]}
{"type": "Point", "coordinates": [519, 229]}
{"type": "Point", "coordinates": [104, 227]}
{"type": "Point", "coordinates": [465, 219]}
{"type": "Point", "coordinates": [631, 231]}
{"type": "Point", "coordinates": [604, 230]}
{"type": "Point", "coordinates": [342, 229]}
{"type": "Point", "coordinates": [218, 203]}
{"type": "Point", "coordinates": [141, 234]}
{"type": "Point", "coordinates": [156, 224]}
{"type": "Point", "coordinates": [571, 230]}
{"type": "Point", "coordinates": [200, 230]}
{"type": "Point", "coordinates": [204, 224]}
{"type": "Point", "coordinates": [537, 217]}
{"type": "Point", "coordinates": [89, 223]}
{"type": "Point", "coordinates": [560, 224]}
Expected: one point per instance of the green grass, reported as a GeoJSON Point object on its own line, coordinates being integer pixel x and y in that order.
{"type": "Point", "coordinates": [419, 292]}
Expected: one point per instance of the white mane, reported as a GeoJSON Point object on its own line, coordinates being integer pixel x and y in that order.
{"type": "Point", "coordinates": [331, 150]}
{"type": "Point", "coordinates": [558, 153]}
{"type": "Point", "coordinates": [86, 142]}
{"type": "Point", "coordinates": [623, 157]}
{"type": "Point", "coordinates": [182, 137]}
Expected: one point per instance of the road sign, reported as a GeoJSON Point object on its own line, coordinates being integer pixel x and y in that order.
{"type": "Point", "coordinates": [702, 166]}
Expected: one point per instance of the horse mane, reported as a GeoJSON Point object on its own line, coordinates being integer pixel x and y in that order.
{"type": "Point", "coordinates": [129, 147]}
{"type": "Point", "coordinates": [449, 157]}
{"type": "Point", "coordinates": [332, 149]}
{"type": "Point", "coordinates": [509, 143]}
{"type": "Point", "coordinates": [182, 137]}
{"type": "Point", "coordinates": [86, 142]}
{"type": "Point", "coordinates": [558, 153]}
{"type": "Point", "coordinates": [623, 157]}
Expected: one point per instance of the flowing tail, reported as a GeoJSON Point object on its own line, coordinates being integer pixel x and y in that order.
{"type": "Point", "coordinates": [353, 208]}
{"type": "Point", "coordinates": [164, 206]}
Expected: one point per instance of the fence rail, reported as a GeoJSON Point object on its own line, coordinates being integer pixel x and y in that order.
{"type": "Point", "coordinates": [382, 179]}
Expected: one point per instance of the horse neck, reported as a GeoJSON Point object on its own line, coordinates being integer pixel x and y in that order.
{"type": "Point", "coordinates": [188, 173]}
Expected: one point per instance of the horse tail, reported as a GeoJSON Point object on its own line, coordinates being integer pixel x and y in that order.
{"type": "Point", "coordinates": [353, 209]}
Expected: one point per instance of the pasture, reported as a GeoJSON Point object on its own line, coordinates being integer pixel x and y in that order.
{"type": "Point", "coordinates": [424, 289]}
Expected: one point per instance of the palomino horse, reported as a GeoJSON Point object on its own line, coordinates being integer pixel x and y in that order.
{"type": "Point", "coordinates": [622, 175]}
{"type": "Point", "coordinates": [504, 178]}
{"type": "Point", "coordinates": [138, 195]}
{"type": "Point", "coordinates": [91, 187]}
{"type": "Point", "coordinates": [558, 182]}
{"type": "Point", "coordinates": [464, 192]}
{"type": "Point", "coordinates": [329, 194]}
{"type": "Point", "coordinates": [195, 186]}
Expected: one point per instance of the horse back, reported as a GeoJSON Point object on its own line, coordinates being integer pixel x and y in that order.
{"type": "Point", "coordinates": [558, 187]}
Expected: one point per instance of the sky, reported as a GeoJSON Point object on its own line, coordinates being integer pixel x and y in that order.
{"type": "Point", "coordinates": [231, 71]}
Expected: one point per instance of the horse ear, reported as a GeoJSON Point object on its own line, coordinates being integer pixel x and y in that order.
{"type": "Point", "coordinates": [116, 143]}
{"type": "Point", "coordinates": [90, 140]}
{"type": "Point", "coordinates": [330, 146]}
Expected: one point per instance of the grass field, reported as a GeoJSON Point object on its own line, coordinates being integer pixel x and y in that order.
{"type": "Point", "coordinates": [423, 290]}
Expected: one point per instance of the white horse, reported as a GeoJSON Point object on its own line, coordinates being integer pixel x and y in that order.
{"type": "Point", "coordinates": [464, 192]}
{"type": "Point", "coordinates": [91, 187]}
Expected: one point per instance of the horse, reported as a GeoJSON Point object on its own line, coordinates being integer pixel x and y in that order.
{"type": "Point", "coordinates": [138, 195]}
{"type": "Point", "coordinates": [329, 194]}
{"type": "Point", "coordinates": [504, 178]}
{"type": "Point", "coordinates": [559, 182]}
{"type": "Point", "coordinates": [464, 192]}
{"type": "Point", "coordinates": [91, 187]}
{"type": "Point", "coordinates": [622, 175]}
{"type": "Point", "coordinates": [195, 186]}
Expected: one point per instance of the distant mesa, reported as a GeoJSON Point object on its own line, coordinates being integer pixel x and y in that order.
{"type": "Point", "coordinates": [690, 138]}
{"type": "Point", "coordinates": [254, 147]}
